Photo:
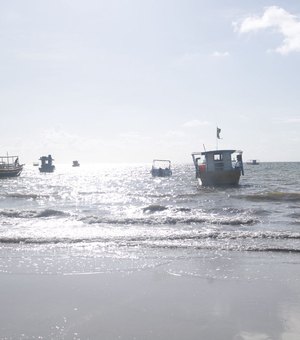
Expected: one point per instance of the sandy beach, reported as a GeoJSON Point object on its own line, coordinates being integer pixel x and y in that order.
{"type": "Point", "coordinates": [211, 296]}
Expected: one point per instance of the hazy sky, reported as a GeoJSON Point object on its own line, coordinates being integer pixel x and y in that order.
{"type": "Point", "coordinates": [133, 80]}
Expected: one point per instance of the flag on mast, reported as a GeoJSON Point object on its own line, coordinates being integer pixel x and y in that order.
{"type": "Point", "coordinates": [218, 133]}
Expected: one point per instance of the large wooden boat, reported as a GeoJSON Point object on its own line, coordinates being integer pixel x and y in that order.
{"type": "Point", "coordinates": [161, 168]}
{"type": "Point", "coordinates": [218, 167]}
{"type": "Point", "coordinates": [10, 166]}
{"type": "Point", "coordinates": [46, 164]}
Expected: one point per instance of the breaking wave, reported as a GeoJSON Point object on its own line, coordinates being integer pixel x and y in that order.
{"type": "Point", "coordinates": [26, 196]}
{"type": "Point", "coordinates": [150, 215]}
{"type": "Point", "coordinates": [31, 213]}
{"type": "Point", "coordinates": [171, 220]}
{"type": "Point", "coordinates": [275, 196]}
{"type": "Point", "coordinates": [154, 208]}
{"type": "Point", "coordinates": [213, 240]}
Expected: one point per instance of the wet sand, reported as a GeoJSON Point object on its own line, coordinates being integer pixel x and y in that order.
{"type": "Point", "coordinates": [243, 296]}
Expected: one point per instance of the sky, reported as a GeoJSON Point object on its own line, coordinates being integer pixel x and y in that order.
{"type": "Point", "coordinates": [134, 80]}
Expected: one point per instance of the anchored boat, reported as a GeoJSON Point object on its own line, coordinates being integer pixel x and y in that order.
{"type": "Point", "coordinates": [218, 167]}
{"type": "Point", "coordinates": [161, 168]}
{"type": "Point", "coordinates": [253, 162]}
{"type": "Point", "coordinates": [46, 165]}
{"type": "Point", "coordinates": [10, 166]}
{"type": "Point", "coordinates": [75, 163]}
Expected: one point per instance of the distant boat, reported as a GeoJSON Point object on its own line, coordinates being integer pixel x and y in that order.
{"type": "Point", "coordinates": [47, 165]}
{"type": "Point", "coordinates": [252, 162]}
{"type": "Point", "coordinates": [10, 166]}
{"type": "Point", "coordinates": [218, 167]}
{"type": "Point", "coordinates": [161, 168]}
{"type": "Point", "coordinates": [75, 163]}
{"type": "Point", "coordinates": [35, 164]}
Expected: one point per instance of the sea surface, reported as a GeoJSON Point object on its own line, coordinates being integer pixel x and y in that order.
{"type": "Point", "coordinates": [100, 218]}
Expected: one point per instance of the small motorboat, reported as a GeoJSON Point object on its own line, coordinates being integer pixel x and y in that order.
{"type": "Point", "coordinates": [252, 162]}
{"type": "Point", "coordinates": [161, 168]}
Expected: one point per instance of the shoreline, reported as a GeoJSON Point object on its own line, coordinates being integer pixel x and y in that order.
{"type": "Point", "coordinates": [250, 297]}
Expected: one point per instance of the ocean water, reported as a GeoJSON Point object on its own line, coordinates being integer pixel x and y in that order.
{"type": "Point", "coordinates": [98, 218]}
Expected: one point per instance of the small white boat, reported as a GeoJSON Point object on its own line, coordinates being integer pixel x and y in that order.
{"type": "Point", "coordinates": [218, 167]}
{"type": "Point", "coordinates": [252, 162]}
{"type": "Point", "coordinates": [161, 168]}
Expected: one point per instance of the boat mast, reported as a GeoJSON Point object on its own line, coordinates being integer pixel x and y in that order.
{"type": "Point", "coordinates": [218, 137]}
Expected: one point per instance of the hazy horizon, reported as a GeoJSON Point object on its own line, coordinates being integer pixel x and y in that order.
{"type": "Point", "coordinates": [133, 81]}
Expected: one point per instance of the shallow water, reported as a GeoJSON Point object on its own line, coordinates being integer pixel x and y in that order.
{"type": "Point", "coordinates": [120, 212]}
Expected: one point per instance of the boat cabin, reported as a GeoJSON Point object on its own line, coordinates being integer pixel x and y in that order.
{"type": "Point", "coordinates": [218, 167]}
{"type": "Point", "coordinates": [46, 164]}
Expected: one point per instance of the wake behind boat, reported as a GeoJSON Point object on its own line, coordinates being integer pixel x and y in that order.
{"type": "Point", "coordinates": [10, 166]}
{"type": "Point", "coordinates": [218, 167]}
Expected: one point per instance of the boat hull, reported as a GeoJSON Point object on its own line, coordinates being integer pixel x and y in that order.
{"type": "Point", "coordinates": [50, 168]}
{"type": "Point", "coordinates": [161, 172]}
{"type": "Point", "coordinates": [4, 173]}
{"type": "Point", "coordinates": [220, 178]}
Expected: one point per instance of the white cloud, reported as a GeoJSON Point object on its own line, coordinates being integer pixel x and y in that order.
{"type": "Point", "coordinates": [195, 123]}
{"type": "Point", "coordinates": [176, 134]}
{"type": "Point", "coordinates": [293, 120]}
{"type": "Point", "coordinates": [218, 54]}
{"type": "Point", "coordinates": [131, 135]}
{"type": "Point", "coordinates": [287, 24]}
{"type": "Point", "coordinates": [290, 120]}
{"type": "Point", "coordinates": [44, 56]}
{"type": "Point", "coordinates": [187, 58]}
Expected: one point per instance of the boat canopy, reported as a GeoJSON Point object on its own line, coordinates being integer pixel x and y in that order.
{"type": "Point", "coordinates": [161, 168]}
{"type": "Point", "coordinates": [161, 163]}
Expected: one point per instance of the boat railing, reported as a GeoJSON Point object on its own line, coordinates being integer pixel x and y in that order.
{"type": "Point", "coordinates": [9, 162]}
{"type": "Point", "coordinates": [7, 166]}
